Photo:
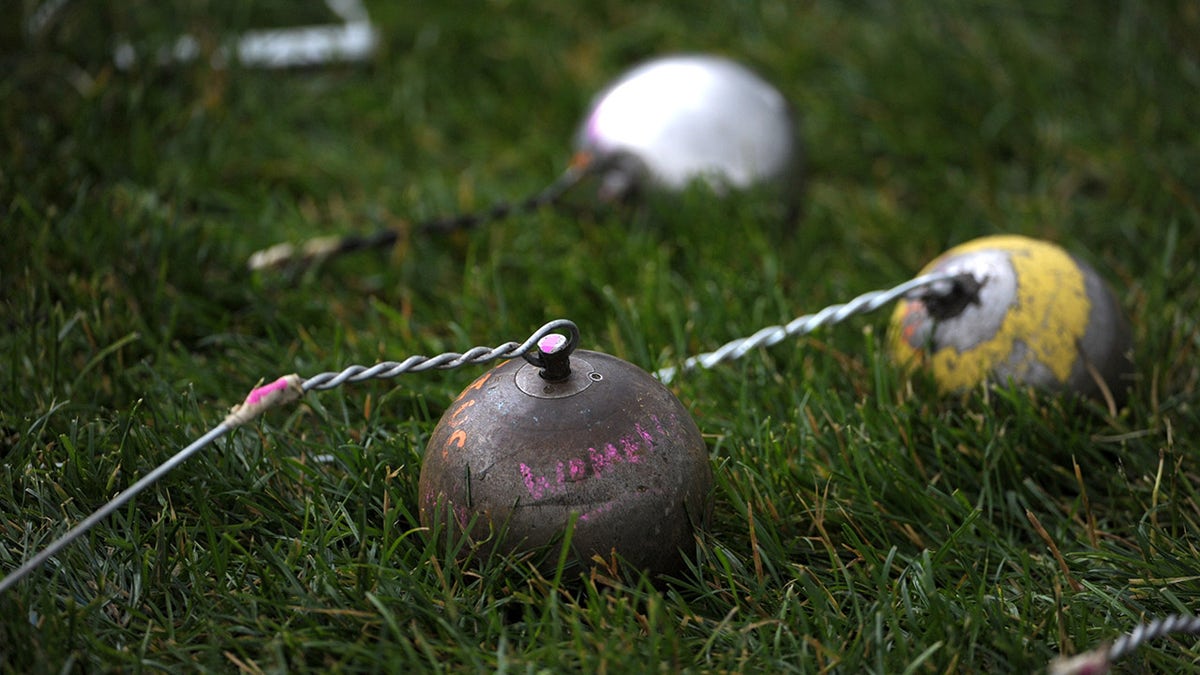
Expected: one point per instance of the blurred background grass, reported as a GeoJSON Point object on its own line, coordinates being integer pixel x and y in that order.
{"type": "Point", "coordinates": [861, 523]}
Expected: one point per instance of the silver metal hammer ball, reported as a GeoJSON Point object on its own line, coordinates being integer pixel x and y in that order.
{"type": "Point", "coordinates": [677, 119]}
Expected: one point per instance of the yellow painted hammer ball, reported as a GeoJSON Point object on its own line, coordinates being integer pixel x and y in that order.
{"type": "Point", "coordinates": [1039, 317]}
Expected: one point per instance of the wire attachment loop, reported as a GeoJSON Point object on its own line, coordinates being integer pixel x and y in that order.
{"type": "Point", "coordinates": [946, 300]}
{"type": "Point", "coordinates": [553, 351]}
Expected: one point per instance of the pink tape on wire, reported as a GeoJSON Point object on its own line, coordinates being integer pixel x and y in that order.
{"type": "Point", "coordinates": [284, 390]}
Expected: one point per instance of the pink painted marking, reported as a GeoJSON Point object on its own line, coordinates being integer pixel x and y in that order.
{"type": "Point", "coordinates": [603, 508]}
{"type": "Point", "coordinates": [630, 445]}
{"type": "Point", "coordinates": [551, 343]}
{"type": "Point", "coordinates": [577, 468]}
{"type": "Point", "coordinates": [536, 485]}
{"type": "Point", "coordinates": [631, 448]}
{"type": "Point", "coordinates": [646, 437]}
{"type": "Point", "coordinates": [659, 425]}
{"type": "Point", "coordinates": [602, 459]}
{"type": "Point", "coordinates": [463, 515]}
{"type": "Point", "coordinates": [257, 395]}
{"type": "Point", "coordinates": [642, 493]}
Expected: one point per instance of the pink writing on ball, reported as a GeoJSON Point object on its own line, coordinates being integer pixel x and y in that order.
{"type": "Point", "coordinates": [620, 501]}
{"type": "Point", "coordinates": [434, 502]}
{"type": "Point", "coordinates": [628, 449]}
{"type": "Point", "coordinates": [599, 510]}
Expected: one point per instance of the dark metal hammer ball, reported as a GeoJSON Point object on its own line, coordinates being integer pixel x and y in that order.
{"type": "Point", "coordinates": [520, 456]}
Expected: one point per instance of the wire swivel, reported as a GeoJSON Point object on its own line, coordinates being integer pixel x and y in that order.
{"type": "Point", "coordinates": [948, 299]}
{"type": "Point", "coordinates": [553, 353]}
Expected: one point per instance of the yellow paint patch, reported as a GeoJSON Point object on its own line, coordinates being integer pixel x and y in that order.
{"type": "Point", "coordinates": [1049, 317]}
{"type": "Point", "coordinates": [902, 350]}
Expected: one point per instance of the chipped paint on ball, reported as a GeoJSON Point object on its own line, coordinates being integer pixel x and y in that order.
{"type": "Point", "coordinates": [1040, 319]}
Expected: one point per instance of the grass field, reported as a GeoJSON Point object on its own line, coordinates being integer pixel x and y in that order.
{"type": "Point", "coordinates": [861, 523]}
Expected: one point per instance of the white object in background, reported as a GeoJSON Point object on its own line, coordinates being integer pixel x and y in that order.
{"type": "Point", "coordinates": [356, 39]}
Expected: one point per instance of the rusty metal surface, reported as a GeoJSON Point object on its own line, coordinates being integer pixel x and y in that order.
{"type": "Point", "coordinates": [609, 445]}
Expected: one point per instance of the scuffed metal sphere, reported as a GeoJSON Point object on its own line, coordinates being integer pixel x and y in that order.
{"type": "Point", "coordinates": [1040, 317]}
{"type": "Point", "coordinates": [678, 119]}
{"type": "Point", "coordinates": [520, 455]}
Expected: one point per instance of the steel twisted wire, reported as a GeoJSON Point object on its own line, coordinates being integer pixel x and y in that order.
{"type": "Point", "coordinates": [1100, 659]}
{"type": "Point", "coordinates": [115, 503]}
{"type": "Point", "coordinates": [936, 284]}
{"type": "Point", "coordinates": [1176, 623]}
{"type": "Point", "coordinates": [322, 382]}
{"type": "Point", "coordinates": [286, 253]}
{"type": "Point", "coordinates": [446, 361]}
